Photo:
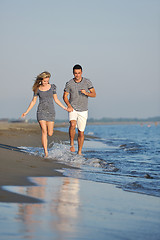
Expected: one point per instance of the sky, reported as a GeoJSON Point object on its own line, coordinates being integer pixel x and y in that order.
{"type": "Point", "coordinates": [117, 42]}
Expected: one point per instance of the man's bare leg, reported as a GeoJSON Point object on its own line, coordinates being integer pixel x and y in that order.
{"type": "Point", "coordinates": [72, 132]}
{"type": "Point", "coordinates": [80, 141]}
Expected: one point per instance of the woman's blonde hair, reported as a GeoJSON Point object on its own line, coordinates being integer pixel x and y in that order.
{"type": "Point", "coordinates": [39, 79]}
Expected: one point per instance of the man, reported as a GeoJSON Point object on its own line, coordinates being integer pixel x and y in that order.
{"type": "Point", "coordinates": [78, 89]}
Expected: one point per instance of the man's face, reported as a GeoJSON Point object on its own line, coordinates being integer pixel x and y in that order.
{"type": "Point", "coordinates": [77, 74]}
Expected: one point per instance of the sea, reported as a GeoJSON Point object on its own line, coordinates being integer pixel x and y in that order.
{"type": "Point", "coordinates": [125, 155]}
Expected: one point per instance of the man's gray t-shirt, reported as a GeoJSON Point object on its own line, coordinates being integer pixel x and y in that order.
{"type": "Point", "coordinates": [78, 100]}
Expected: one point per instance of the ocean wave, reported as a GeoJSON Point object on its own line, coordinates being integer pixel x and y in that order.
{"type": "Point", "coordinates": [127, 156]}
{"type": "Point", "coordinates": [61, 152]}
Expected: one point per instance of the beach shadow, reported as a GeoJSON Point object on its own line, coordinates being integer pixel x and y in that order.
{"type": "Point", "coordinates": [12, 148]}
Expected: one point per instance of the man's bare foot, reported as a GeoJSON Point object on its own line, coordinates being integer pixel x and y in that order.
{"type": "Point", "coordinates": [79, 153]}
{"type": "Point", "coordinates": [72, 149]}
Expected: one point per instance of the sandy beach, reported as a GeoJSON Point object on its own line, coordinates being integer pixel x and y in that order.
{"type": "Point", "coordinates": [50, 206]}
{"type": "Point", "coordinates": [16, 166]}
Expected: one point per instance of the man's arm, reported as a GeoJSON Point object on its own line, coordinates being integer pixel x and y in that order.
{"type": "Point", "coordinates": [65, 98]}
{"type": "Point", "coordinates": [91, 93]}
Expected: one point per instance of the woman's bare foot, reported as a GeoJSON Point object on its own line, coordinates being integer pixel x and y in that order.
{"type": "Point", "coordinates": [46, 154]}
{"type": "Point", "coordinates": [72, 149]}
{"type": "Point", "coordinates": [79, 153]}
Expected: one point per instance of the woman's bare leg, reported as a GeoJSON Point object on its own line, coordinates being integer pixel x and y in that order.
{"type": "Point", "coordinates": [43, 125]}
{"type": "Point", "coordinates": [50, 126]}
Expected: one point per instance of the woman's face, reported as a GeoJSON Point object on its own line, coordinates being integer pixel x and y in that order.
{"type": "Point", "coordinates": [45, 81]}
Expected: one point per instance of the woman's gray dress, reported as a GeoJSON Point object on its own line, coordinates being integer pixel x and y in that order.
{"type": "Point", "coordinates": [46, 110]}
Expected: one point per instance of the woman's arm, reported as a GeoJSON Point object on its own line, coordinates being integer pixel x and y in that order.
{"type": "Point", "coordinates": [58, 102]}
{"type": "Point", "coordinates": [31, 105]}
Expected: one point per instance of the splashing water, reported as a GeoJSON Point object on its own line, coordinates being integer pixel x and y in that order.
{"type": "Point", "coordinates": [125, 155]}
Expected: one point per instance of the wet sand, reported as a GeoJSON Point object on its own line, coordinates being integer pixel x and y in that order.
{"type": "Point", "coordinates": [16, 166]}
{"type": "Point", "coordinates": [54, 207]}
{"type": "Point", "coordinates": [78, 209]}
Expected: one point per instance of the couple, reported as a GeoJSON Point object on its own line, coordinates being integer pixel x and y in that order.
{"type": "Point", "coordinates": [78, 90]}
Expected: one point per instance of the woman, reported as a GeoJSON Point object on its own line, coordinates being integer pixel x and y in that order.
{"type": "Point", "coordinates": [45, 112]}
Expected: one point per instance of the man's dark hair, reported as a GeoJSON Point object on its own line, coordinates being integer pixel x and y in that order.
{"type": "Point", "coordinates": [77, 66]}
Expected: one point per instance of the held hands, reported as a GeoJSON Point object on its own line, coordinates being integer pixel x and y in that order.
{"type": "Point", "coordinates": [69, 109]}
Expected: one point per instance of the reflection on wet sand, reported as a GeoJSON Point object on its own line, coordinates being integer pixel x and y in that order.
{"type": "Point", "coordinates": [79, 209]}
{"type": "Point", "coordinates": [61, 211]}
{"type": "Point", "coordinates": [67, 205]}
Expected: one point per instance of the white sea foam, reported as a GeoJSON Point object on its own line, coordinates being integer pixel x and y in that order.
{"type": "Point", "coordinates": [61, 152]}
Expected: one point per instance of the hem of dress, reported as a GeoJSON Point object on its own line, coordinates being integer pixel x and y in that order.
{"type": "Point", "coordinates": [53, 120]}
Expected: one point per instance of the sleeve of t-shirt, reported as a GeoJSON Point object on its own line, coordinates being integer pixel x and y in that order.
{"type": "Point", "coordinates": [35, 94]}
{"type": "Point", "coordinates": [67, 88]}
{"type": "Point", "coordinates": [54, 89]}
{"type": "Point", "coordinates": [89, 84]}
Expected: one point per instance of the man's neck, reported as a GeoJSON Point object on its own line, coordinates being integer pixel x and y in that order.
{"type": "Point", "coordinates": [78, 80]}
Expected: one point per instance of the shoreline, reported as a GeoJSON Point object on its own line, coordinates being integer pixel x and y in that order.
{"type": "Point", "coordinates": [4, 123]}
{"type": "Point", "coordinates": [38, 202]}
{"type": "Point", "coordinates": [16, 166]}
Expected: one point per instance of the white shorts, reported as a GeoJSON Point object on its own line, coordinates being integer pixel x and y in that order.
{"type": "Point", "coordinates": [80, 117]}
